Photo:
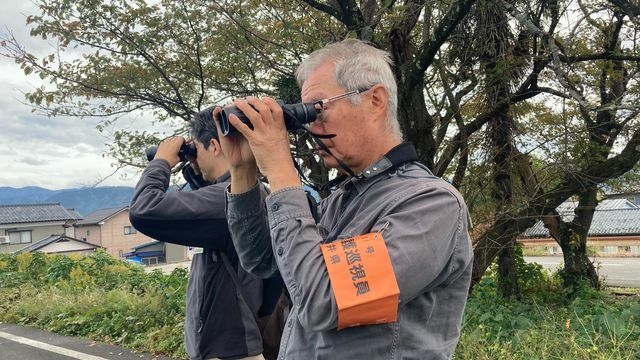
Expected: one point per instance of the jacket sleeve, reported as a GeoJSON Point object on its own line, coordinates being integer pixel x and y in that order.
{"type": "Point", "coordinates": [421, 230]}
{"type": "Point", "coordinates": [247, 219]}
{"type": "Point", "coordinates": [194, 218]}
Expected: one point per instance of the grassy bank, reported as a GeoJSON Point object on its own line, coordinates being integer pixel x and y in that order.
{"type": "Point", "coordinates": [96, 297]}
{"type": "Point", "coordinates": [105, 299]}
{"type": "Point", "coordinates": [543, 324]}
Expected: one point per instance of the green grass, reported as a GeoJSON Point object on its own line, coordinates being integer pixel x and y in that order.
{"type": "Point", "coordinates": [105, 299]}
{"type": "Point", "coordinates": [96, 297]}
{"type": "Point", "coordinates": [535, 251]}
{"type": "Point", "coordinates": [548, 323]}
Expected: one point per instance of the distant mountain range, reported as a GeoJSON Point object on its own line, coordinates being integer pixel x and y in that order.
{"type": "Point", "coordinates": [83, 200]}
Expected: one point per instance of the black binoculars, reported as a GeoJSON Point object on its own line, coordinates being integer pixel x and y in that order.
{"type": "Point", "coordinates": [187, 149]}
{"type": "Point", "coordinates": [295, 116]}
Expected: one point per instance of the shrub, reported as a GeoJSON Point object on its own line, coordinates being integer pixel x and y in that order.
{"type": "Point", "coordinates": [544, 325]}
{"type": "Point", "coordinates": [106, 299]}
{"type": "Point", "coordinates": [96, 296]}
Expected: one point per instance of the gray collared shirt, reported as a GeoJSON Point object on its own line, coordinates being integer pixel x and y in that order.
{"type": "Point", "coordinates": [424, 223]}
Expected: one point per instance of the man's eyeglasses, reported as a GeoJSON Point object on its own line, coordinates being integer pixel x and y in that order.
{"type": "Point", "coordinates": [319, 104]}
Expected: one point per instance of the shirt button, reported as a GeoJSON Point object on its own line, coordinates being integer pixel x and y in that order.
{"type": "Point", "coordinates": [275, 207]}
{"type": "Point", "coordinates": [280, 251]}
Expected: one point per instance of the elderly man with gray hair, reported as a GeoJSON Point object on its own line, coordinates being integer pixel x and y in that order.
{"type": "Point", "coordinates": [384, 270]}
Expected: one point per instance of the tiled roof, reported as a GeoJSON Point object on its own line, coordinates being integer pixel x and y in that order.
{"type": "Point", "coordinates": [100, 215]}
{"type": "Point", "coordinates": [570, 206]}
{"type": "Point", "coordinates": [49, 240]}
{"type": "Point", "coordinates": [75, 213]}
{"type": "Point", "coordinates": [607, 219]}
{"type": "Point", "coordinates": [27, 213]}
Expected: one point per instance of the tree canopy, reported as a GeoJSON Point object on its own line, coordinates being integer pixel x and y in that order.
{"type": "Point", "coordinates": [521, 105]}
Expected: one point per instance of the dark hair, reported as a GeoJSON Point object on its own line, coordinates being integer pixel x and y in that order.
{"type": "Point", "coordinates": [202, 127]}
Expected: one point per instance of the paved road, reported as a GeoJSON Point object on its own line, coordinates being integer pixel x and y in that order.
{"type": "Point", "coordinates": [24, 343]}
{"type": "Point", "coordinates": [615, 271]}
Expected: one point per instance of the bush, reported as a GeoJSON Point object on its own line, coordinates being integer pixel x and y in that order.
{"type": "Point", "coordinates": [95, 296]}
{"type": "Point", "coordinates": [543, 325]}
{"type": "Point", "coordinates": [105, 299]}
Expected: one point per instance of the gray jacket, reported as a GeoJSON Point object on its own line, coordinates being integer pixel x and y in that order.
{"type": "Point", "coordinates": [424, 222]}
{"type": "Point", "coordinates": [218, 322]}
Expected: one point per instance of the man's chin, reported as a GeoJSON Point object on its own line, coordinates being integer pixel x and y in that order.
{"type": "Point", "coordinates": [329, 162]}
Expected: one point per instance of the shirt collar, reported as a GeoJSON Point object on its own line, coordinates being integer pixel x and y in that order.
{"type": "Point", "coordinates": [398, 155]}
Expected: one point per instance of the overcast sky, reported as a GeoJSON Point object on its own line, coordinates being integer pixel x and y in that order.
{"type": "Point", "coordinates": [54, 153]}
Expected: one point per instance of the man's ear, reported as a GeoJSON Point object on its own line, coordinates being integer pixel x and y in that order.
{"type": "Point", "coordinates": [379, 99]}
{"type": "Point", "coordinates": [214, 145]}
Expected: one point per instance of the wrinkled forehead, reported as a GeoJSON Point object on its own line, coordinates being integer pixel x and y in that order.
{"type": "Point", "coordinates": [320, 83]}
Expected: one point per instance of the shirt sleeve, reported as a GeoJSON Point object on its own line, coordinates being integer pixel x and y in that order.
{"type": "Point", "coordinates": [193, 218]}
{"type": "Point", "coordinates": [247, 220]}
{"type": "Point", "coordinates": [420, 227]}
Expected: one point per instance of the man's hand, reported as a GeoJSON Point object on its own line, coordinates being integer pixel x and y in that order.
{"type": "Point", "coordinates": [242, 164]}
{"type": "Point", "coordinates": [268, 140]}
{"type": "Point", "coordinates": [168, 150]}
{"type": "Point", "coordinates": [235, 147]}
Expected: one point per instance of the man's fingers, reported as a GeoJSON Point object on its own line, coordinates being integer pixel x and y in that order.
{"type": "Point", "coordinates": [259, 113]}
{"type": "Point", "coordinates": [273, 106]}
{"type": "Point", "coordinates": [216, 121]}
{"type": "Point", "coordinates": [258, 105]}
{"type": "Point", "coordinates": [240, 126]}
{"type": "Point", "coordinates": [173, 141]}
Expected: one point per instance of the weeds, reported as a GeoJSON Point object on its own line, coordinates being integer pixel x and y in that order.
{"type": "Point", "coordinates": [105, 299]}
{"type": "Point", "coordinates": [95, 296]}
{"type": "Point", "coordinates": [547, 323]}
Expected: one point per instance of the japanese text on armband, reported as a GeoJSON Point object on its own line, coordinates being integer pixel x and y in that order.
{"type": "Point", "coordinates": [362, 279]}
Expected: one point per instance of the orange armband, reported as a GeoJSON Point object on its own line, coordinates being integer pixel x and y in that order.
{"type": "Point", "coordinates": [362, 280]}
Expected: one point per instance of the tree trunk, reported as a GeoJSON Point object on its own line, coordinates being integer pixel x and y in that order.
{"type": "Point", "coordinates": [578, 267]}
{"type": "Point", "coordinates": [416, 123]}
{"type": "Point", "coordinates": [573, 241]}
{"type": "Point", "coordinates": [508, 284]}
{"type": "Point", "coordinates": [494, 48]}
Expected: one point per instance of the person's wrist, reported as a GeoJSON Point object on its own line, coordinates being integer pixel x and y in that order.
{"type": "Point", "coordinates": [243, 178]}
{"type": "Point", "coordinates": [286, 177]}
{"type": "Point", "coordinates": [244, 167]}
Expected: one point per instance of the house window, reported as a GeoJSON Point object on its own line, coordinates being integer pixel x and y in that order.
{"type": "Point", "coordinates": [609, 249]}
{"type": "Point", "coordinates": [635, 249]}
{"type": "Point", "coordinates": [20, 237]}
{"type": "Point", "coordinates": [88, 232]}
{"type": "Point", "coordinates": [128, 230]}
{"type": "Point", "coordinates": [624, 249]}
{"type": "Point", "coordinates": [150, 261]}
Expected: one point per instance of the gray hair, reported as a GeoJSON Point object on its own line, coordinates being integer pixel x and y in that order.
{"type": "Point", "coordinates": [358, 65]}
